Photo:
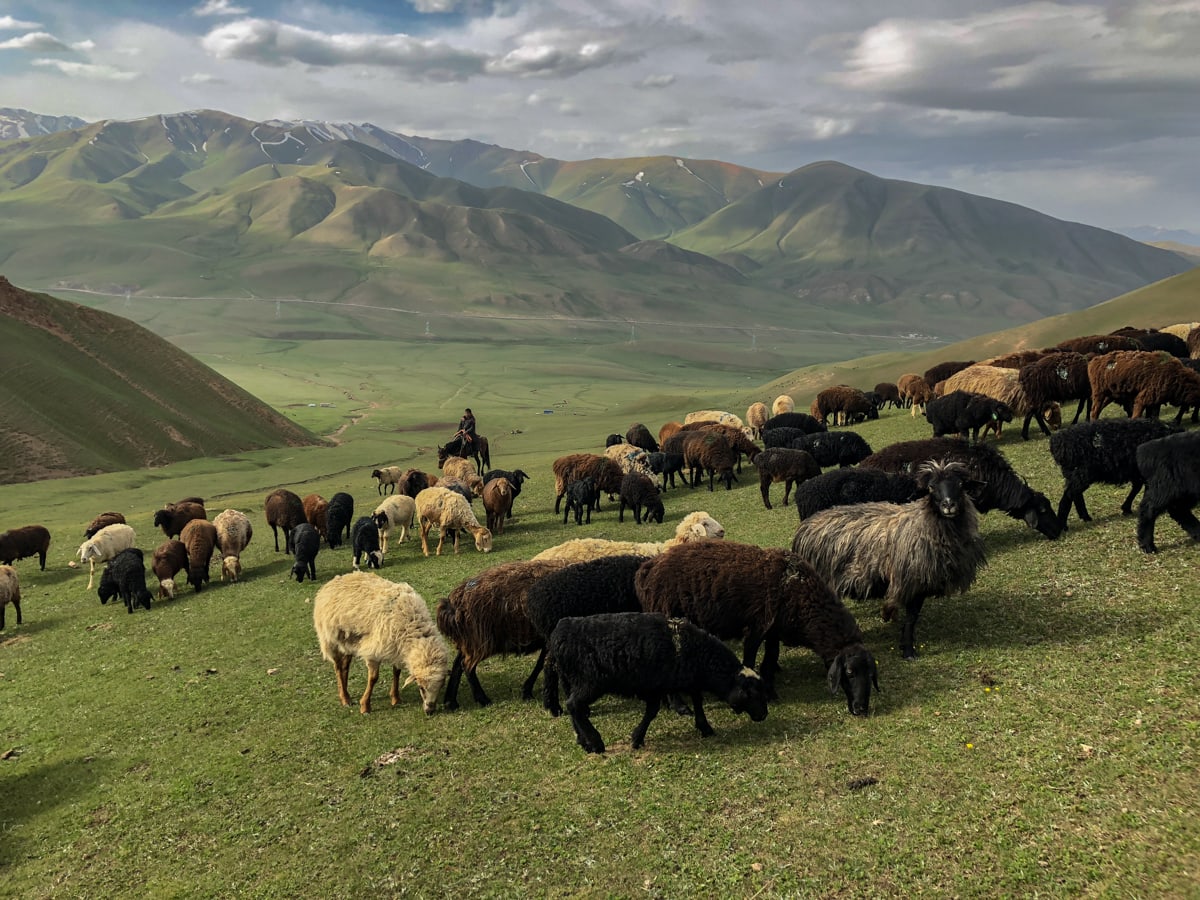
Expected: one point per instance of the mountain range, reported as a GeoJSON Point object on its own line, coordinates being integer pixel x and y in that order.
{"type": "Point", "coordinates": [207, 204]}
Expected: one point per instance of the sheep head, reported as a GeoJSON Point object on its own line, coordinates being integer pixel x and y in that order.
{"type": "Point", "coordinates": [166, 588]}
{"type": "Point", "coordinates": [231, 566]}
{"type": "Point", "coordinates": [749, 695]}
{"type": "Point", "coordinates": [948, 484]}
{"type": "Point", "coordinates": [483, 539]}
{"type": "Point", "coordinates": [853, 671]}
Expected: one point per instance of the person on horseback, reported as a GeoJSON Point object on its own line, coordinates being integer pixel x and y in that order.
{"type": "Point", "coordinates": [466, 427]}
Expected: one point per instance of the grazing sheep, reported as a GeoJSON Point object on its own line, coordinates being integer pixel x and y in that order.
{"type": "Point", "coordinates": [756, 417]}
{"type": "Point", "coordinates": [783, 464]}
{"type": "Point", "coordinates": [170, 558]}
{"type": "Point", "coordinates": [605, 474]}
{"type": "Point", "coordinates": [338, 519]}
{"type": "Point", "coordinates": [844, 403]}
{"type": "Point", "coordinates": [1170, 466]}
{"type": "Point", "coordinates": [704, 451]}
{"type": "Point", "coordinates": [842, 487]}
{"type": "Point", "coordinates": [629, 458]}
{"type": "Point", "coordinates": [460, 487]}
{"type": "Point", "coordinates": [842, 448]}
{"type": "Point", "coordinates": [888, 392]}
{"type": "Point", "coordinates": [668, 465]}
{"type": "Point", "coordinates": [1059, 377]}
{"type": "Point", "coordinates": [1001, 384]}
{"type": "Point", "coordinates": [316, 508]}
{"type": "Point", "coordinates": [172, 517]}
{"type": "Point", "coordinates": [486, 615]}
{"type": "Point", "coordinates": [648, 657]}
{"type": "Point", "coordinates": [105, 518]}
{"type": "Point", "coordinates": [938, 373]}
{"type": "Point", "coordinates": [18, 543]}
{"type": "Point", "coordinates": [284, 509]}
{"type": "Point", "coordinates": [101, 547]}
{"type": "Point", "coordinates": [389, 476]}
{"type": "Point", "coordinates": [1095, 344]}
{"type": "Point", "coordinates": [449, 512]}
{"type": "Point", "coordinates": [904, 553]}
{"type": "Point", "coordinates": [612, 440]}
{"type": "Point", "coordinates": [1002, 488]}
{"type": "Point", "coordinates": [516, 479]}
{"type": "Point", "coordinates": [803, 421]}
{"type": "Point", "coordinates": [639, 435]}
{"type": "Point", "coordinates": [234, 532]}
{"type": "Point", "coordinates": [1141, 381]}
{"type": "Point", "coordinates": [412, 482]}
{"type": "Point", "coordinates": [695, 526]}
{"type": "Point", "coordinates": [668, 429]}
{"type": "Point", "coordinates": [361, 614]}
{"type": "Point", "coordinates": [397, 512]}
{"type": "Point", "coordinates": [581, 495]}
{"type": "Point", "coordinates": [497, 503]}
{"type": "Point", "coordinates": [714, 415]}
{"type": "Point", "coordinates": [639, 492]}
{"type": "Point", "coordinates": [457, 467]}
{"type": "Point", "coordinates": [125, 577]}
{"type": "Point", "coordinates": [306, 544]}
{"type": "Point", "coordinates": [964, 413]}
{"type": "Point", "coordinates": [1158, 341]}
{"type": "Point", "coordinates": [10, 592]}
{"type": "Point", "coordinates": [737, 438]}
{"type": "Point", "coordinates": [1181, 330]}
{"type": "Point", "coordinates": [784, 436]}
{"type": "Point", "coordinates": [200, 537]}
{"type": "Point", "coordinates": [364, 538]}
{"type": "Point", "coordinates": [1018, 359]}
{"type": "Point", "coordinates": [783, 404]}
{"type": "Point", "coordinates": [915, 392]}
{"type": "Point", "coordinates": [767, 597]}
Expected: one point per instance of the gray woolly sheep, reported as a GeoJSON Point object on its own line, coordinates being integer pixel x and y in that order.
{"type": "Point", "coordinates": [437, 506]}
{"type": "Point", "coordinates": [695, 526]}
{"type": "Point", "coordinates": [786, 465]}
{"type": "Point", "coordinates": [1170, 466]}
{"type": "Point", "coordinates": [842, 487]}
{"type": "Point", "coordinates": [713, 415]}
{"type": "Point", "coordinates": [640, 493]}
{"type": "Point", "coordinates": [629, 458]}
{"type": "Point", "coordinates": [904, 553]}
{"type": "Point", "coordinates": [28, 540]}
{"type": "Point", "coordinates": [767, 597]}
{"type": "Point", "coordinates": [170, 558]}
{"type": "Point", "coordinates": [284, 509]}
{"type": "Point", "coordinates": [10, 592]}
{"type": "Point", "coordinates": [234, 532]}
{"type": "Point", "coordinates": [101, 547]}
{"type": "Point", "coordinates": [172, 517]}
{"type": "Point", "coordinates": [388, 476]}
{"type": "Point", "coordinates": [105, 518]}
{"type": "Point", "coordinates": [339, 517]}
{"type": "Point", "coordinates": [364, 539]}
{"type": "Point", "coordinates": [361, 614]}
{"type": "Point", "coordinates": [306, 544]}
{"type": "Point", "coordinates": [200, 538]}
{"type": "Point", "coordinates": [396, 512]}
{"type": "Point", "coordinates": [648, 657]}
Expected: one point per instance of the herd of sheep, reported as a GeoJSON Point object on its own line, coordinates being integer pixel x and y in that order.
{"type": "Point", "coordinates": [650, 619]}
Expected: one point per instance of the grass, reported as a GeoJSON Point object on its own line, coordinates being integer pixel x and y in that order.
{"type": "Point", "coordinates": [1044, 744]}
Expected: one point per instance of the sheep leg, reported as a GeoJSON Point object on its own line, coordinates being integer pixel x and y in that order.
{"type": "Point", "coordinates": [702, 725]}
{"type": "Point", "coordinates": [1181, 512]}
{"type": "Point", "coordinates": [456, 671]}
{"type": "Point", "coordinates": [788, 484]}
{"type": "Point", "coordinates": [1084, 402]}
{"type": "Point", "coordinates": [364, 703]}
{"type": "Point", "coordinates": [341, 668]}
{"type": "Point", "coordinates": [585, 732]}
{"type": "Point", "coordinates": [527, 687]}
{"type": "Point", "coordinates": [91, 572]}
{"type": "Point", "coordinates": [550, 692]}
{"type": "Point", "coordinates": [477, 690]}
{"type": "Point", "coordinates": [1127, 506]}
{"type": "Point", "coordinates": [764, 485]}
{"type": "Point", "coordinates": [908, 628]}
{"type": "Point", "coordinates": [1147, 516]}
{"type": "Point", "coordinates": [638, 738]}
{"type": "Point", "coordinates": [394, 693]}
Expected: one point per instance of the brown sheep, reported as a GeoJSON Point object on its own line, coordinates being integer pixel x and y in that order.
{"type": "Point", "coordinates": [845, 403]}
{"type": "Point", "coordinates": [1018, 359]}
{"type": "Point", "coordinates": [170, 558]}
{"type": "Point", "coordinates": [1097, 343]}
{"type": "Point", "coordinates": [1059, 377]}
{"type": "Point", "coordinates": [284, 509]}
{"type": "Point", "coordinates": [605, 474]}
{"type": "Point", "coordinates": [1141, 381]}
{"type": "Point", "coordinates": [18, 543]}
{"type": "Point", "coordinates": [174, 516]}
{"type": "Point", "coordinates": [315, 508]}
{"type": "Point", "coordinates": [199, 537]}
{"type": "Point", "coordinates": [943, 370]}
{"type": "Point", "coordinates": [105, 518]}
{"type": "Point", "coordinates": [1193, 343]}
{"type": "Point", "coordinates": [737, 437]}
{"type": "Point", "coordinates": [497, 502]}
{"type": "Point", "coordinates": [668, 429]}
{"type": "Point", "coordinates": [413, 481]}
{"type": "Point", "coordinates": [887, 392]}
{"type": "Point", "coordinates": [910, 384]}
{"type": "Point", "coordinates": [756, 417]}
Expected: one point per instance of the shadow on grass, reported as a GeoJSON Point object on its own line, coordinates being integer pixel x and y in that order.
{"type": "Point", "coordinates": [31, 791]}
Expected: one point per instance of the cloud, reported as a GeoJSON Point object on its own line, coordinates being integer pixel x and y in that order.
{"type": "Point", "coordinates": [562, 53]}
{"type": "Point", "coordinates": [84, 46]}
{"type": "Point", "coordinates": [8, 23]}
{"type": "Point", "coordinates": [38, 41]}
{"type": "Point", "coordinates": [202, 78]}
{"type": "Point", "coordinates": [219, 8]}
{"type": "Point", "coordinates": [656, 81]}
{"type": "Point", "coordinates": [89, 71]}
{"type": "Point", "coordinates": [435, 6]}
{"type": "Point", "coordinates": [278, 44]}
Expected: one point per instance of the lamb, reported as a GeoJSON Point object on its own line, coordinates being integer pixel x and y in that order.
{"type": "Point", "coordinates": [516, 479]}
{"type": "Point", "coordinates": [783, 404]}
{"type": "Point", "coordinates": [843, 448]}
{"type": "Point", "coordinates": [765, 596]}
{"type": "Point", "coordinates": [667, 465]}
{"type": "Point", "coordinates": [783, 464]}
{"type": "Point", "coordinates": [756, 417]}
{"type": "Point", "coordinates": [449, 512]}
{"type": "Point", "coordinates": [844, 403]}
{"type": "Point", "coordinates": [170, 558]}
{"type": "Point", "coordinates": [338, 518]}
{"type": "Point", "coordinates": [938, 373]}
{"type": "Point", "coordinates": [316, 508]}
{"type": "Point", "coordinates": [714, 415]}
{"type": "Point", "coordinates": [10, 592]}
{"type": "Point", "coordinates": [639, 435]}
{"type": "Point", "coordinates": [200, 537]}
{"type": "Point", "coordinates": [1141, 381]}
{"type": "Point", "coordinates": [1170, 466]}
{"type": "Point", "coordinates": [695, 526]}
{"type": "Point", "coordinates": [842, 487]}
{"type": "Point", "coordinates": [18, 543]}
{"type": "Point", "coordinates": [105, 518]}
{"type": "Point", "coordinates": [486, 615]}
{"type": "Point", "coordinates": [648, 657]}
{"type": "Point", "coordinates": [388, 476]}
{"type": "Point", "coordinates": [284, 509]}
{"type": "Point", "coordinates": [1002, 487]}
{"type": "Point", "coordinates": [306, 544]}
{"type": "Point", "coordinates": [174, 516]}
{"type": "Point", "coordinates": [903, 553]}
{"type": "Point", "coordinates": [364, 538]}
{"type": "Point", "coordinates": [605, 473]}
{"type": "Point", "coordinates": [964, 413]}
{"type": "Point", "coordinates": [457, 467]}
{"type": "Point", "coordinates": [639, 492]}
{"type": "Point", "coordinates": [581, 496]}
{"type": "Point", "coordinates": [629, 458]}
{"type": "Point", "coordinates": [1060, 377]}
{"type": "Point", "coordinates": [101, 547]}
{"type": "Point", "coordinates": [497, 503]}
{"type": "Point", "coordinates": [1095, 344]}
{"type": "Point", "coordinates": [361, 614]}
{"type": "Point", "coordinates": [888, 392]}
{"type": "Point", "coordinates": [397, 512]}
{"type": "Point", "coordinates": [125, 576]}
{"type": "Point", "coordinates": [1003, 385]}
{"type": "Point", "coordinates": [234, 532]}
{"type": "Point", "coordinates": [1102, 452]}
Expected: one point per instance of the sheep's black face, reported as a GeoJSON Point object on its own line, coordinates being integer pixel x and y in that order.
{"type": "Point", "coordinates": [299, 570]}
{"type": "Point", "coordinates": [854, 671]}
{"type": "Point", "coordinates": [1040, 514]}
{"type": "Point", "coordinates": [654, 510]}
{"type": "Point", "coordinates": [947, 495]}
{"type": "Point", "coordinates": [749, 695]}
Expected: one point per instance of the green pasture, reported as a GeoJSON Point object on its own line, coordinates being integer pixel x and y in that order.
{"type": "Point", "coordinates": [1045, 743]}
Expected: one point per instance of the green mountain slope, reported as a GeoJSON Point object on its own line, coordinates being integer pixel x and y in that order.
{"type": "Point", "coordinates": [90, 392]}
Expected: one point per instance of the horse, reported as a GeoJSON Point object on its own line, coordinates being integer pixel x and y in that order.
{"type": "Point", "coordinates": [478, 449]}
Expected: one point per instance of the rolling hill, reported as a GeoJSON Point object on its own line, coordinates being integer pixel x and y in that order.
{"type": "Point", "coordinates": [88, 392]}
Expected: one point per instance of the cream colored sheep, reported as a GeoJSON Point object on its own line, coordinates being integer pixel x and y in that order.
{"type": "Point", "coordinates": [233, 534]}
{"type": "Point", "coordinates": [630, 459]}
{"type": "Point", "coordinates": [696, 526]}
{"type": "Point", "coordinates": [448, 510]}
{"type": "Point", "coordinates": [103, 546]}
{"type": "Point", "coordinates": [1181, 330]}
{"type": "Point", "coordinates": [783, 404]}
{"type": "Point", "coordinates": [756, 417]}
{"type": "Point", "coordinates": [714, 415]}
{"type": "Point", "coordinates": [361, 614]}
{"type": "Point", "coordinates": [397, 512]}
{"type": "Point", "coordinates": [387, 476]}
{"type": "Point", "coordinates": [10, 592]}
{"type": "Point", "coordinates": [458, 467]}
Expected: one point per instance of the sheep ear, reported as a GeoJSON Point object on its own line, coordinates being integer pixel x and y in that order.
{"type": "Point", "coordinates": [407, 681]}
{"type": "Point", "coordinates": [836, 671]}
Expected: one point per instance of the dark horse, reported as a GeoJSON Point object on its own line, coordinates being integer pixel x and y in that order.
{"type": "Point", "coordinates": [477, 449]}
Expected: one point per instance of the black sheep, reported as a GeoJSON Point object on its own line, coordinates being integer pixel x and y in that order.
{"type": "Point", "coordinates": [843, 487]}
{"type": "Point", "coordinates": [1002, 488]}
{"type": "Point", "coordinates": [649, 657]}
{"type": "Point", "coordinates": [1170, 466]}
{"type": "Point", "coordinates": [783, 464]}
{"type": "Point", "coordinates": [516, 478]}
{"type": "Point", "coordinates": [306, 543]}
{"type": "Point", "coordinates": [338, 518]}
{"type": "Point", "coordinates": [639, 492]}
{"type": "Point", "coordinates": [964, 413]}
{"type": "Point", "coordinates": [581, 495]}
{"type": "Point", "coordinates": [842, 448]}
{"type": "Point", "coordinates": [639, 435]}
{"type": "Point", "coordinates": [364, 538]}
{"type": "Point", "coordinates": [125, 576]}
{"type": "Point", "coordinates": [806, 423]}
{"type": "Point", "coordinates": [1104, 452]}
{"type": "Point", "coordinates": [783, 435]}
{"type": "Point", "coordinates": [613, 439]}
{"type": "Point", "coordinates": [667, 465]}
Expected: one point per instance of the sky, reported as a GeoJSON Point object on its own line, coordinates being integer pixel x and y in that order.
{"type": "Point", "coordinates": [1086, 111]}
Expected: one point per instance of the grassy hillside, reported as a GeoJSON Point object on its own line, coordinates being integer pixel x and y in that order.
{"type": "Point", "coordinates": [91, 392]}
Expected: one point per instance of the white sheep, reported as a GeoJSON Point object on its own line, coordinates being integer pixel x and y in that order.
{"type": "Point", "coordinates": [696, 526]}
{"type": "Point", "coordinates": [714, 415]}
{"type": "Point", "coordinates": [783, 404]}
{"type": "Point", "coordinates": [381, 621]}
{"type": "Point", "coordinates": [233, 534]}
{"type": "Point", "coordinates": [388, 475]}
{"type": "Point", "coordinates": [103, 546]}
{"type": "Point", "coordinates": [756, 417]}
{"type": "Point", "coordinates": [630, 459]}
{"type": "Point", "coordinates": [396, 511]}
{"type": "Point", "coordinates": [10, 592]}
{"type": "Point", "coordinates": [449, 511]}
